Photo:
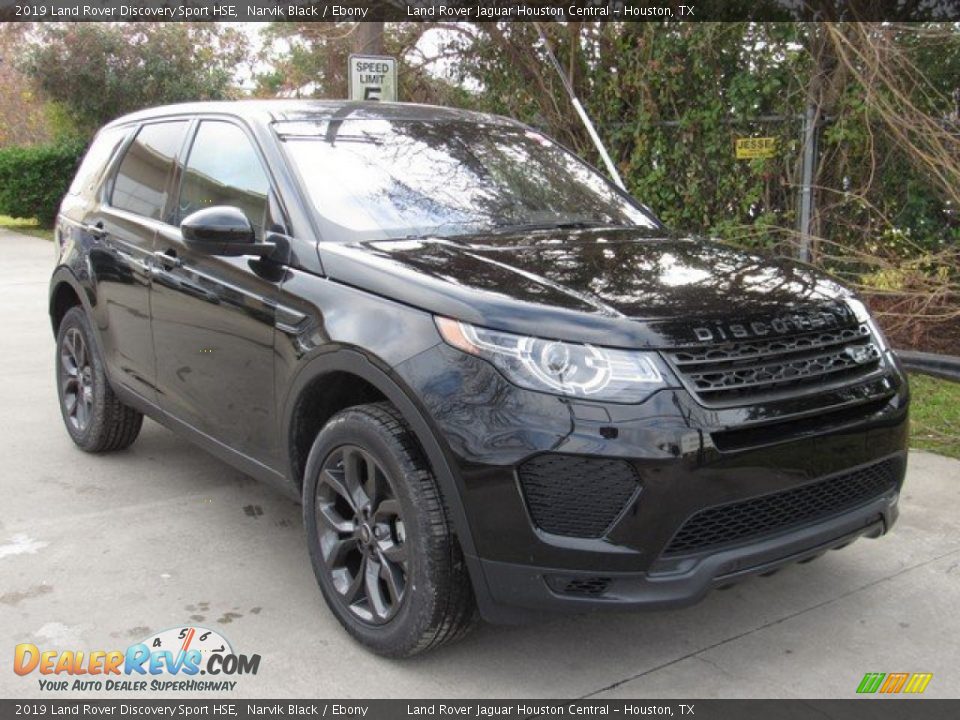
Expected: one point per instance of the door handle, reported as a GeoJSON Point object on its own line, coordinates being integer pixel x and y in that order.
{"type": "Point", "coordinates": [167, 259]}
{"type": "Point", "coordinates": [96, 230]}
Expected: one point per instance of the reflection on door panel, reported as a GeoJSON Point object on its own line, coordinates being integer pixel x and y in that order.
{"type": "Point", "coordinates": [213, 316]}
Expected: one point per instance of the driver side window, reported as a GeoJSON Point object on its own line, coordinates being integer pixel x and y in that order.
{"type": "Point", "coordinates": [224, 169]}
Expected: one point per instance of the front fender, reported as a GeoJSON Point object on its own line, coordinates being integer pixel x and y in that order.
{"type": "Point", "coordinates": [350, 360]}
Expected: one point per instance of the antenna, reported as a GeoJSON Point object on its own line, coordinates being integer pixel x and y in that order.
{"type": "Point", "coordinates": [598, 143]}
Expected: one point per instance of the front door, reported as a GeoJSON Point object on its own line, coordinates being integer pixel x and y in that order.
{"type": "Point", "coordinates": [213, 316]}
{"type": "Point", "coordinates": [120, 262]}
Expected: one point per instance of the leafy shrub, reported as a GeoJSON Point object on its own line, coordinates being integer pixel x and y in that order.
{"type": "Point", "coordinates": [33, 180]}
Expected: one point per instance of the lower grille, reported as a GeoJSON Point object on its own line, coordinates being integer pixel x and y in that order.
{"type": "Point", "coordinates": [750, 371]}
{"type": "Point", "coordinates": [591, 586]}
{"type": "Point", "coordinates": [770, 514]}
{"type": "Point", "coordinates": [576, 496]}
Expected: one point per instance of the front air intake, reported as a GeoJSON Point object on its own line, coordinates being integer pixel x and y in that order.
{"type": "Point", "coordinates": [576, 496]}
{"type": "Point", "coordinates": [749, 520]}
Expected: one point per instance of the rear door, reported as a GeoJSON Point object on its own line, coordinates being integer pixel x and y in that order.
{"type": "Point", "coordinates": [136, 204]}
{"type": "Point", "coordinates": [213, 316]}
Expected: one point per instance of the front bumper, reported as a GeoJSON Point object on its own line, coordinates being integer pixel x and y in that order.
{"type": "Point", "coordinates": [686, 458]}
{"type": "Point", "coordinates": [514, 587]}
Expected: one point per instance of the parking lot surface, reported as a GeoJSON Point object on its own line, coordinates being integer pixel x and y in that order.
{"type": "Point", "coordinates": [99, 552]}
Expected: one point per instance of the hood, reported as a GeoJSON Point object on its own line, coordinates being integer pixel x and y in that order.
{"type": "Point", "coordinates": [615, 287]}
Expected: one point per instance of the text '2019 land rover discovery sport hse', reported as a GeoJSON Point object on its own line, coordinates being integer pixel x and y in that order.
{"type": "Point", "coordinates": [496, 382]}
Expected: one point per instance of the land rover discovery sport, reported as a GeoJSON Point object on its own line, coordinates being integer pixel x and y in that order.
{"type": "Point", "coordinates": [498, 384]}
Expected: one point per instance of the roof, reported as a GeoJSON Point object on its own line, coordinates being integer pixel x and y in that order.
{"type": "Point", "coordinates": [287, 110]}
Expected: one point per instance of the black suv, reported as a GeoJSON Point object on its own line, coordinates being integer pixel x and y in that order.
{"type": "Point", "coordinates": [496, 382]}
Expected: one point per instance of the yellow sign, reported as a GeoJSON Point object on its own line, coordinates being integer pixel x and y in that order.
{"type": "Point", "coordinates": [750, 148]}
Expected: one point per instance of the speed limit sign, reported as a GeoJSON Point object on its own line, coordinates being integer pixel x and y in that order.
{"type": "Point", "coordinates": [373, 77]}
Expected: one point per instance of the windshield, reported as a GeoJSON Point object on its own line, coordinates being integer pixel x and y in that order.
{"type": "Point", "coordinates": [373, 179]}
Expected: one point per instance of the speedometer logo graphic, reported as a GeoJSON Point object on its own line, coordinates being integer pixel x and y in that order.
{"type": "Point", "coordinates": [184, 639]}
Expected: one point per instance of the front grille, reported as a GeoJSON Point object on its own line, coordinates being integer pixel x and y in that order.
{"type": "Point", "coordinates": [745, 371]}
{"type": "Point", "coordinates": [770, 514]}
{"type": "Point", "coordinates": [576, 496]}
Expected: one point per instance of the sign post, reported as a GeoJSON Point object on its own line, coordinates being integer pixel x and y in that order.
{"type": "Point", "coordinates": [372, 77]}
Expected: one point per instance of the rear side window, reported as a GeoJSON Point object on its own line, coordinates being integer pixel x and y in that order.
{"type": "Point", "coordinates": [224, 169]}
{"type": "Point", "coordinates": [97, 157]}
{"type": "Point", "coordinates": [141, 183]}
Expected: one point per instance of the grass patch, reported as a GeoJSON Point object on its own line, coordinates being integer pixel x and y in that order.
{"type": "Point", "coordinates": [935, 415]}
{"type": "Point", "coordinates": [27, 227]}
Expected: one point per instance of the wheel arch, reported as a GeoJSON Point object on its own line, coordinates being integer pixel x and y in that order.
{"type": "Point", "coordinates": [65, 293]}
{"type": "Point", "coordinates": [377, 385]}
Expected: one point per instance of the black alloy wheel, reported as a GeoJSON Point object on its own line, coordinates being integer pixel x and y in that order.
{"type": "Point", "coordinates": [382, 547]}
{"type": "Point", "coordinates": [95, 418]}
{"type": "Point", "coordinates": [76, 385]}
{"type": "Point", "coordinates": [362, 534]}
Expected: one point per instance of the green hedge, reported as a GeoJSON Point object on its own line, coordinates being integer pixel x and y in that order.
{"type": "Point", "coordinates": [33, 180]}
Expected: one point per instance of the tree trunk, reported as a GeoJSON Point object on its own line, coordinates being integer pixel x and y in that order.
{"type": "Point", "coordinates": [368, 38]}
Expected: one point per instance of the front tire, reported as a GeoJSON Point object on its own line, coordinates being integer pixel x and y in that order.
{"type": "Point", "coordinates": [94, 416]}
{"type": "Point", "coordinates": [384, 555]}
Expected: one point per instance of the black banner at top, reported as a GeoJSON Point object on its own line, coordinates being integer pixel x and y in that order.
{"type": "Point", "coordinates": [477, 10]}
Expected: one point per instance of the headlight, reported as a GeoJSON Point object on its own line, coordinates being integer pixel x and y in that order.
{"type": "Point", "coordinates": [623, 376]}
{"type": "Point", "coordinates": [863, 316]}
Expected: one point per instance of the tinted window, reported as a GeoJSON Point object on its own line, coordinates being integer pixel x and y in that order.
{"type": "Point", "coordinates": [372, 179]}
{"type": "Point", "coordinates": [224, 169]}
{"type": "Point", "coordinates": [141, 182]}
{"type": "Point", "coordinates": [96, 160]}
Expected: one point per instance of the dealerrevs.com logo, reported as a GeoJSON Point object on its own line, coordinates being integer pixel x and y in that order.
{"type": "Point", "coordinates": [185, 659]}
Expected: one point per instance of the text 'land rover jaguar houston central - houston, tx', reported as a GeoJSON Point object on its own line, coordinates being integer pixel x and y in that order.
{"type": "Point", "coordinates": [496, 382]}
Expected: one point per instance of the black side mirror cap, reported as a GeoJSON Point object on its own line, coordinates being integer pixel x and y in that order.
{"type": "Point", "coordinates": [222, 230]}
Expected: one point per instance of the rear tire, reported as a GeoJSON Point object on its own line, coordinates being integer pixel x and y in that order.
{"type": "Point", "coordinates": [385, 557]}
{"type": "Point", "coordinates": [94, 416]}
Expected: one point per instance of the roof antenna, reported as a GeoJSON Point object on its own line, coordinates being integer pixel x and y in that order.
{"type": "Point", "coordinates": [611, 168]}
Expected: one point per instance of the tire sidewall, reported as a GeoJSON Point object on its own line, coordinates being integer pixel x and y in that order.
{"type": "Point", "coordinates": [402, 632]}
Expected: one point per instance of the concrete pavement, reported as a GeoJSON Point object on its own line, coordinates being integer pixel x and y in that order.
{"type": "Point", "coordinates": [100, 552]}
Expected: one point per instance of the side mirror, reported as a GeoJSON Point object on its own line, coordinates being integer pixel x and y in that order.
{"type": "Point", "coordinates": [222, 230]}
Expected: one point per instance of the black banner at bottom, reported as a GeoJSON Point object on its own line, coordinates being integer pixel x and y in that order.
{"type": "Point", "coordinates": [867, 709]}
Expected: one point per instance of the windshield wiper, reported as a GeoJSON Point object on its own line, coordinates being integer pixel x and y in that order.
{"type": "Point", "coordinates": [479, 229]}
{"type": "Point", "coordinates": [555, 225]}
{"type": "Point", "coordinates": [434, 230]}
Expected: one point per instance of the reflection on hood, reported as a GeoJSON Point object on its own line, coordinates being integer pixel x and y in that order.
{"type": "Point", "coordinates": [613, 272]}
